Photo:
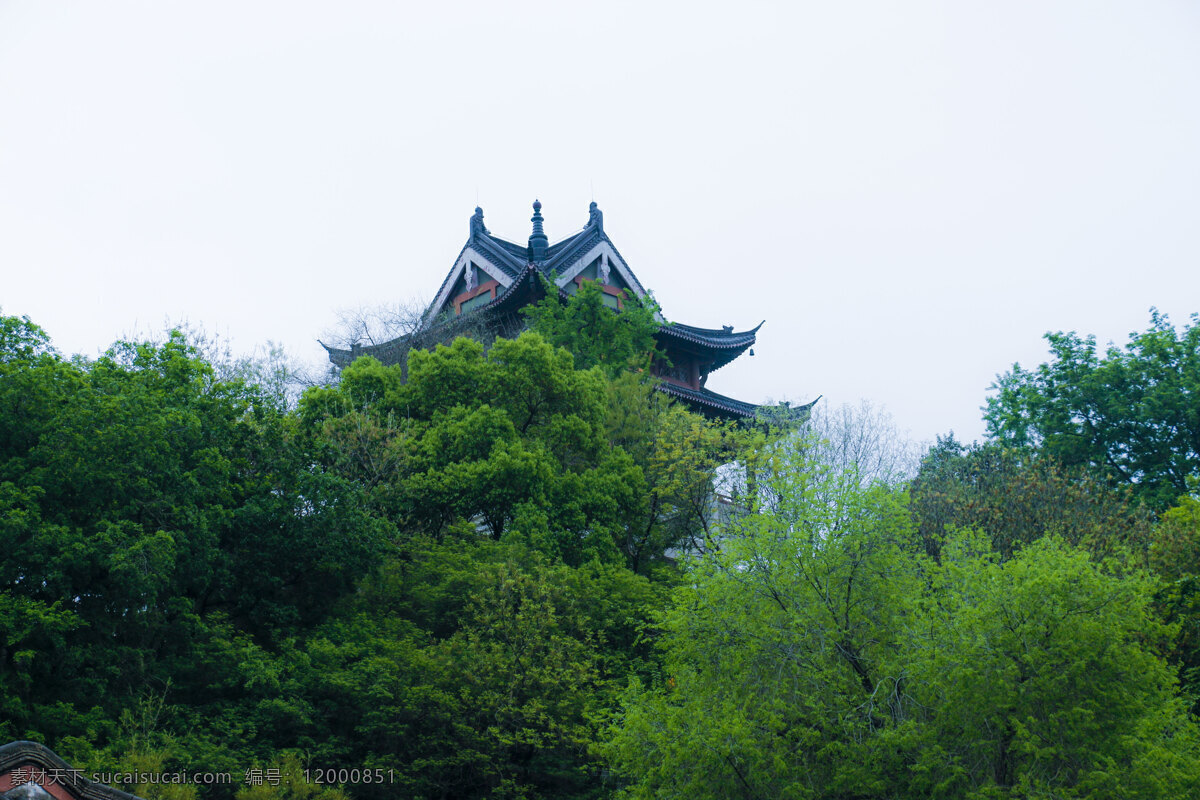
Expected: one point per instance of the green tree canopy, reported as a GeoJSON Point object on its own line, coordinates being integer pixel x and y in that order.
{"type": "Point", "coordinates": [424, 576]}
{"type": "Point", "coordinates": [1175, 557]}
{"type": "Point", "coordinates": [473, 668]}
{"type": "Point", "coordinates": [595, 333]}
{"type": "Point", "coordinates": [518, 440]}
{"type": "Point", "coordinates": [819, 654]}
{"type": "Point", "coordinates": [1018, 496]}
{"type": "Point", "coordinates": [1130, 415]}
{"type": "Point", "coordinates": [159, 528]}
{"type": "Point", "coordinates": [512, 439]}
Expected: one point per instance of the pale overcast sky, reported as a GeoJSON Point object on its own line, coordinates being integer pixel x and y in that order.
{"type": "Point", "coordinates": [910, 194]}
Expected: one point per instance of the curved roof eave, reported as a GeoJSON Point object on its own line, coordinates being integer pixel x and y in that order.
{"type": "Point", "coordinates": [712, 337]}
{"type": "Point", "coordinates": [709, 399]}
{"type": "Point", "coordinates": [25, 753]}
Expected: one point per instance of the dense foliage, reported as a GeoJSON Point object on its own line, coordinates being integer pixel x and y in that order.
{"type": "Point", "coordinates": [821, 654]}
{"type": "Point", "coordinates": [595, 333]}
{"type": "Point", "coordinates": [1131, 415]}
{"type": "Point", "coordinates": [443, 577]}
{"type": "Point", "coordinates": [1128, 419]}
{"type": "Point", "coordinates": [1019, 496]}
{"type": "Point", "coordinates": [518, 571]}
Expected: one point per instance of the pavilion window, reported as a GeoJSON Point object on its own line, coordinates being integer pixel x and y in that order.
{"type": "Point", "coordinates": [475, 302]}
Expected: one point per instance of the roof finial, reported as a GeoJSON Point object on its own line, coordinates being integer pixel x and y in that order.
{"type": "Point", "coordinates": [596, 217]}
{"type": "Point", "coordinates": [537, 240]}
{"type": "Point", "coordinates": [477, 226]}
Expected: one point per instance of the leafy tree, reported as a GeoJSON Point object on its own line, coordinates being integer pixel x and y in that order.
{"type": "Point", "coordinates": [1018, 496]}
{"type": "Point", "coordinates": [22, 342]}
{"type": "Point", "coordinates": [512, 438]}
{"type": "Point", "coordinates": [518, 440]}
{"type": "Point", "coordinates": [819, 655]}
{"type": "Point", "coordinates": [596, 334]}
{"type": "Point", "coordinates": [1175, 553]}
{"type": "Point", "coordinates": [679, 457]}
{"type": "Point", "coordinates": [195, 577]}
{"type": "Point", "coordinates": [1041, 677]}
{"type": "Point", "coordinates": [291, 780]}
{"type": "Point", "coordinates": [773, 648]}
{"type": "Point", "coordinates": [1175, 556]}
{"type": "Point", "coordinates": [471, 668]}
{"type": "Point", "coordinates": [1130, 414]}
{"type": "Point", "coordinates": [159, 528]}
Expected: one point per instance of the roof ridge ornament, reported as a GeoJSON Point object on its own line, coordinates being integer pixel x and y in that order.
{"type": "Point", "coordinates": [477, 226]}
{"type": "Point", "coordinates": [595, 217]}
{"type": "Point", "coordinates": [537, 240]}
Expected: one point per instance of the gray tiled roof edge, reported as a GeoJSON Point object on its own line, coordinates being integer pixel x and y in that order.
{"type": "Point", "coordinates": [15, 754]}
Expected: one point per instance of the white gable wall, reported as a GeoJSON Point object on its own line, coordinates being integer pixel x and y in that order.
{"type": "Point", "coordinates": [606, 249]}
{"type": "Point", "coordinates": [469, 255]}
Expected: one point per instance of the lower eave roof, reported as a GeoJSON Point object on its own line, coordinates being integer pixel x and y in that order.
{"type": "Point", "coordinates": [709, 399]}
{"type": "Point", "coordinates": [736, 409]}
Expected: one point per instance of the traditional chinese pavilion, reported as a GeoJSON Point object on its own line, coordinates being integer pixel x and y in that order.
{"type": "Point", "coordinates": [493, 279]}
